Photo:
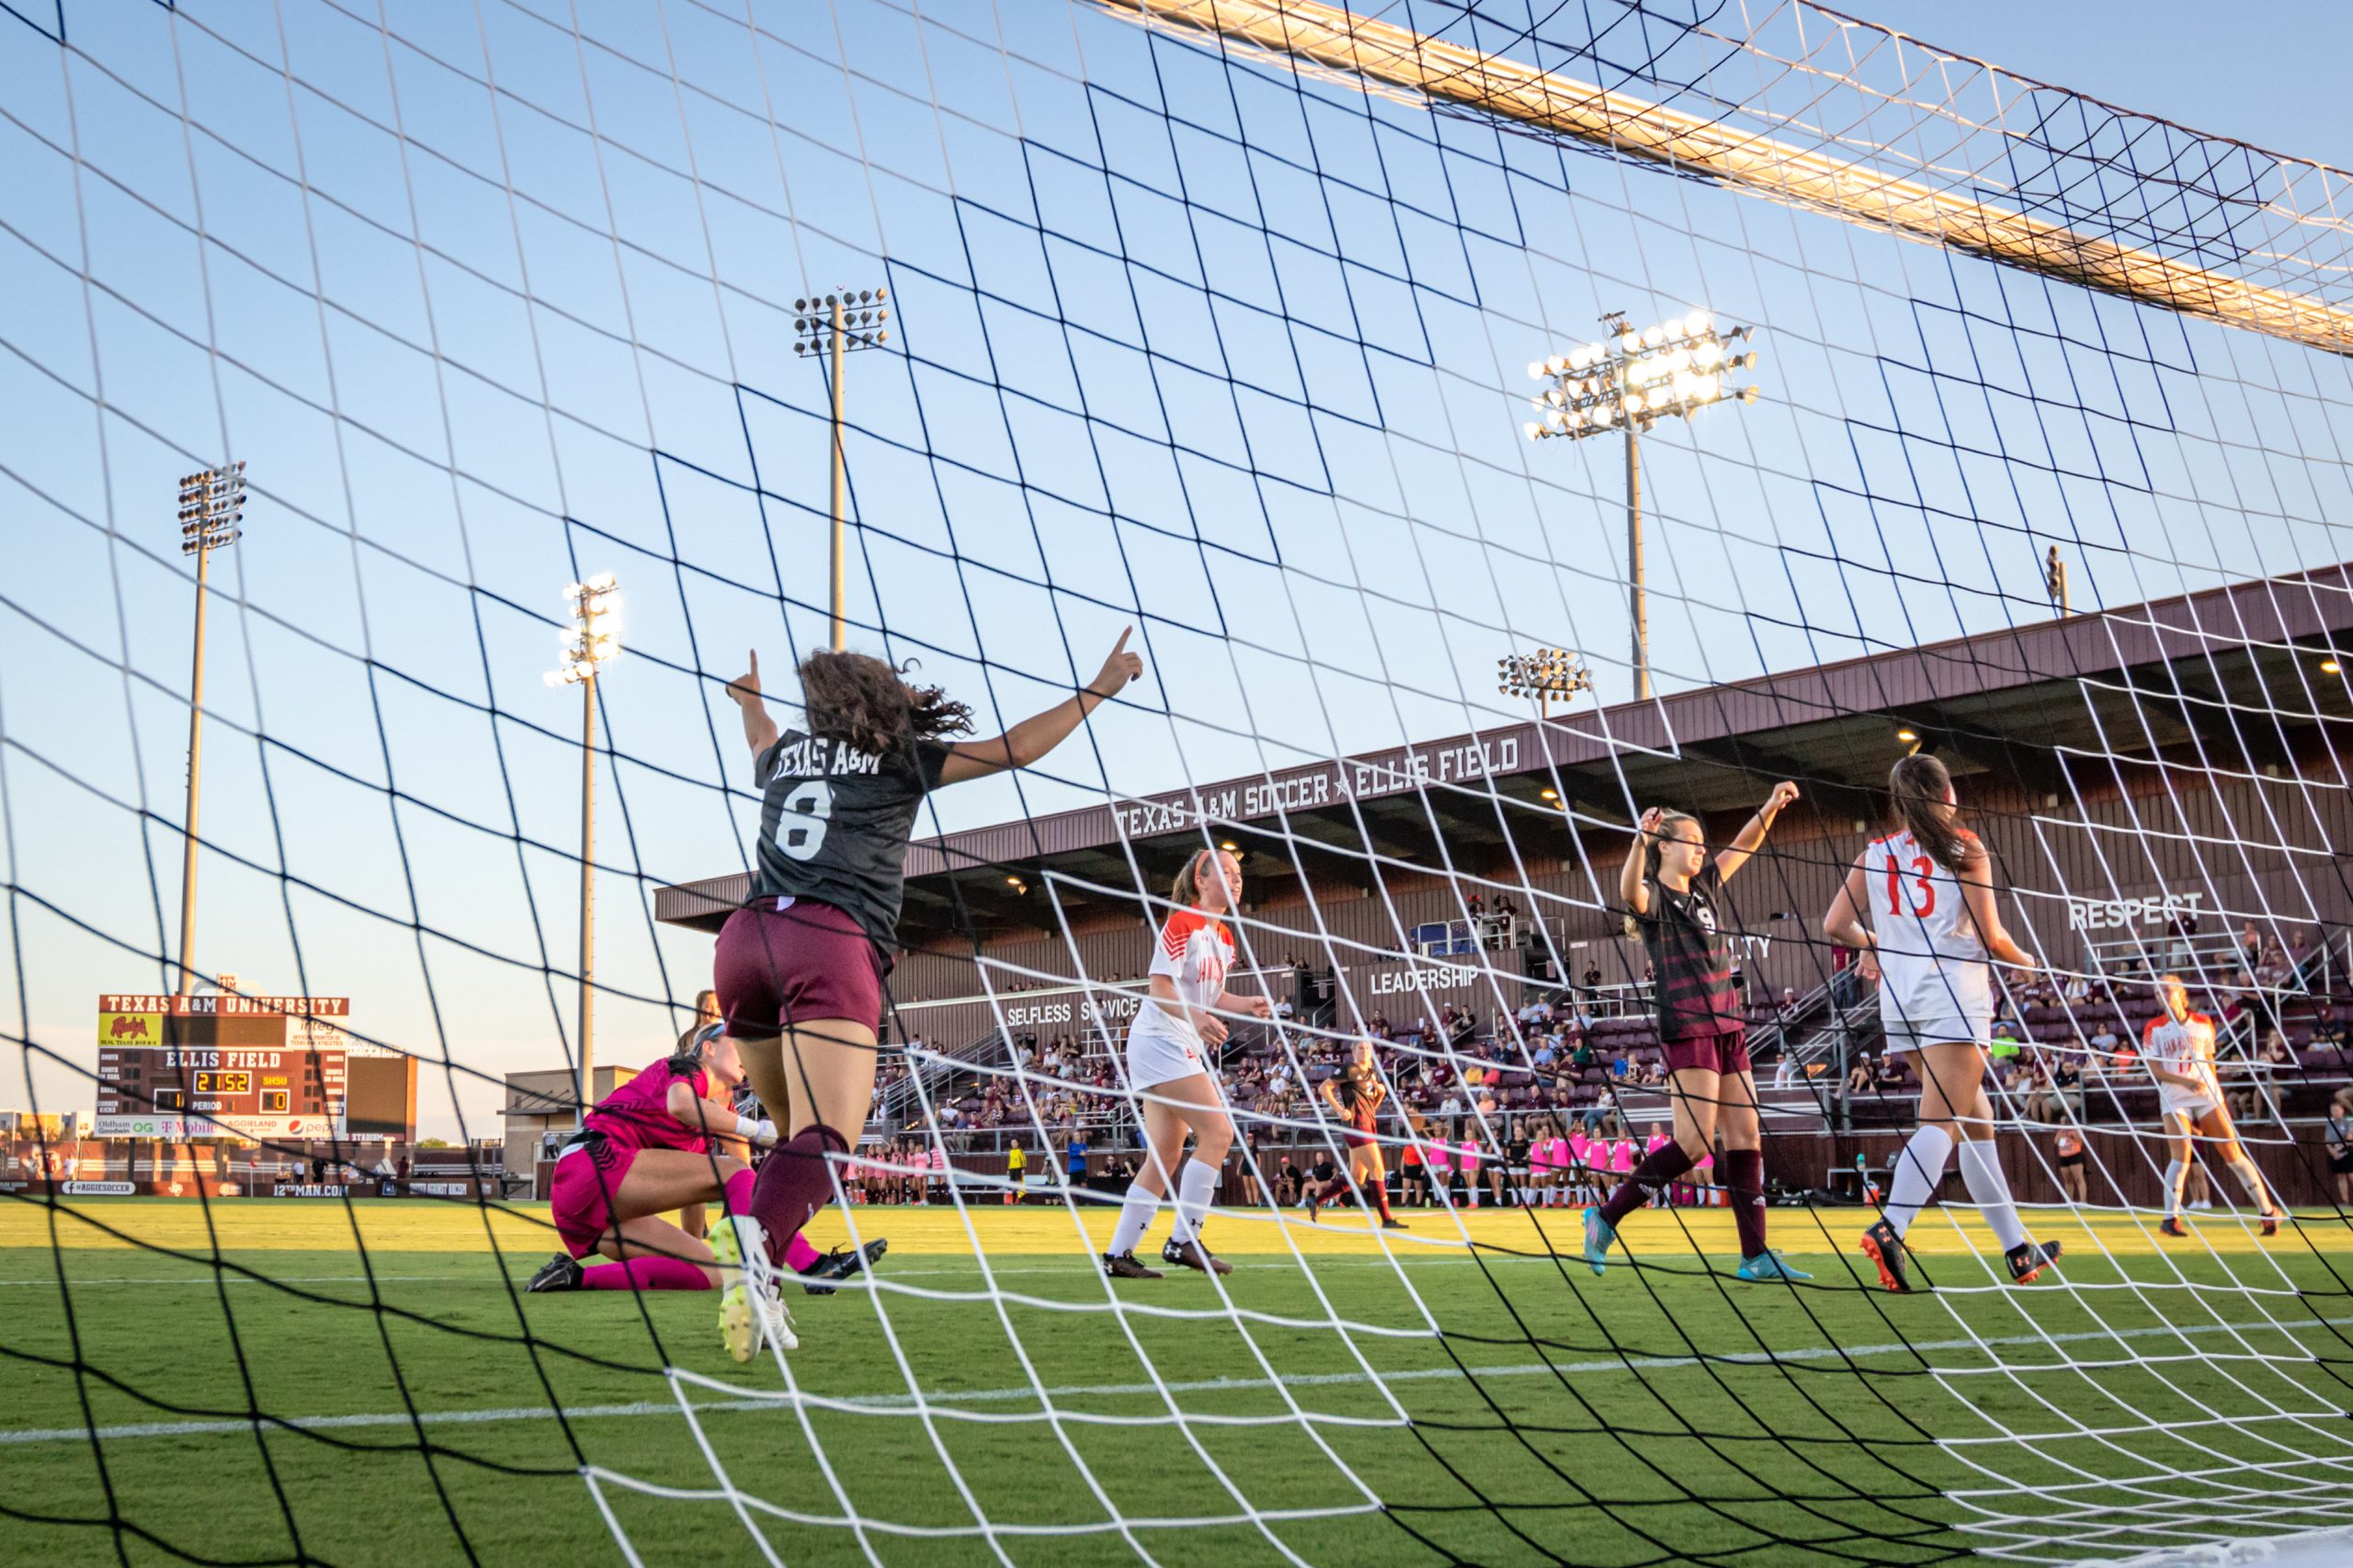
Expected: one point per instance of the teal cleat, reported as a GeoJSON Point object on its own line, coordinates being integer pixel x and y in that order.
{"type": "Point", "coordinates": [1600, 1235]}
{"type": "Point", "coordinates": [1769, 1265]}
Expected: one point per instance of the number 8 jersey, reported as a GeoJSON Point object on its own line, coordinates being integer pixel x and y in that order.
{"type": "Point", "coordinates": [1935, 983]}
{"type": "Point", "coordinates": [834, 826]}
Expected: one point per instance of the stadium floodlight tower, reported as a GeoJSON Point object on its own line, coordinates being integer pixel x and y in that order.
{"type": "Point", "coordinates": [591, 641]}
{"type": "Point", "coordinates": [1548, 676]}
{"type": "Point", "coordinates": [1631, 381]}
{"type": "Point", "coordinates": [838, 324]}
{"type": "Point", "coordinates": [212, 503]}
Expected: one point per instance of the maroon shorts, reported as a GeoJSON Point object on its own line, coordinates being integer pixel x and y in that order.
{"type": "Point", "coordinates": [586, 1180]}
{"type": "Point", "coordinates": [1723, 1054]}
{"type": "Point", "coordinates": [775, 970]}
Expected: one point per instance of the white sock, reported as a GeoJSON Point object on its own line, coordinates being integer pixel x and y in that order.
{"type": "Point", "coordinates": [2176, 1179]}
{"type": "Point", "coordinates": [1981, 1167]}
{"type": "Point", "coordinates": [1918, 1169]}
{"type": "Point", "coordinates": [2252, 1179]}
{"type": "Point", "coordinates": [1193, 1191]}
{"type": "Point", "coordinates": [1135, 1214]}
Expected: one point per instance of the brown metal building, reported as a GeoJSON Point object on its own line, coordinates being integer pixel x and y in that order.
{"type": "Point", "coordinates": [2189, 749]}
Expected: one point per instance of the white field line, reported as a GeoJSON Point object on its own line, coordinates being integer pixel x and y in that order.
{"type": "Point", "coordinates": [899, 1403]}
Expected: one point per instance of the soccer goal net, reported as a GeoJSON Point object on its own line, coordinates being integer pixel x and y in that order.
{"type": "Point", "coordinates": [1491, 424]}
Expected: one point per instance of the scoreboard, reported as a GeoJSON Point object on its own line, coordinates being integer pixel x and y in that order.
{"type": "Point", "coordinates": [193, 1068]}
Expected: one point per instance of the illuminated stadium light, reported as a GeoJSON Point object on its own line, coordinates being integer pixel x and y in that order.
{"type": "Point", "coordinates": [1634, 380]}
{"type": "Point", "coordinates": [594, 638]}
{"type": "Point", "coordinates": [838, 324]}
{"type": "Point", "coordinates": [1907, 736]}
{"type": "Point", "coordinates": [590, 643]}
{"type": "Point", "coordinates": [1669, 372]}
{"type": "Point", "coordinates": [212, 501]}
{"type": "Point", "coordinates": [2329, 667]}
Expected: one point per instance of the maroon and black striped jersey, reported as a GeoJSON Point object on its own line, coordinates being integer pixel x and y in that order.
{"type": "Point", "coordinates": [1690, 954]}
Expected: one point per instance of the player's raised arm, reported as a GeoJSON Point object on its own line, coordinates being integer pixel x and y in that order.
{"type": "Point", "coordinates": [1751, 837]}
{"type": "Point", "coordinates": [1630, 878]}
{"type": "Point", "coordinates": [759, 730]}
{"type": "Point", "coordinates": [1031, 739]}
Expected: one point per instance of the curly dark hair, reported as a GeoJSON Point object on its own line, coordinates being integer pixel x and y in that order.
{"type": "Point", "coordinates": [860, 700]}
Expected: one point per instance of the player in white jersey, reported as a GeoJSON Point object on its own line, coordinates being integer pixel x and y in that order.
{"type": "Point", "coordinates": [2178, 1047]}
{"type": "Point", "coordinates": [1169, 1069]}
{"type": "Point", "coordinates": [1934, 934]}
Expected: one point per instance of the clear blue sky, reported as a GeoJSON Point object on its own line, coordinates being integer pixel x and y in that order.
{"type": "Point", "coordinates": [1310, 493]}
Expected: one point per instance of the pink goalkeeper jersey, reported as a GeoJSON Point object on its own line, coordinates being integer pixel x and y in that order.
{"type": "Point", "coordinates": [1467, 1158]}
{"type": "Point", "coordinates": [637, 1114]}
{"type": "Point", "coordinates": [1439, 1157]}
{"type": "Point", "coordinates": [1622, 1155]}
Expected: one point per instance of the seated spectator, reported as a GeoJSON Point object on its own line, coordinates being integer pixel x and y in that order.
{"type": "Point", "coordinates": [2079, 990]}
{"type": "Point", "coordinates": [1618, 1065]}
{"type": "Point", "coordinates": [2042, 1102]}
{"type": "Point", "coordinates": [2104, 1043]}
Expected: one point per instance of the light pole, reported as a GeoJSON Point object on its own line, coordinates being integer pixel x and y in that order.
{"type": "Point", "coordinates": [591, 639]}
{"type": "Point", "coordinates": [1635, 378]}
{"type": "Point", "coordinates": [835, 326]}
{"type": "Point", "coordinates": [1548, 674]}
{"type": "Point", "coordinates": [212, 503]}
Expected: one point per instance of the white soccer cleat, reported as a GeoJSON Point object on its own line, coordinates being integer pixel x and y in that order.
{"type": "Point", "coordinates": [752, 1313]}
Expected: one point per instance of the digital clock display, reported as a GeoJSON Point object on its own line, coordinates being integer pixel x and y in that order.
{"type": "Point", "coordinates": [225, 1082]}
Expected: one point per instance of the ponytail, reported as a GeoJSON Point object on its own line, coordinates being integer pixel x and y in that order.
{"type": "Point", "coordinates": [1917, 789]}
{"type": "Point", "coordinates": [687, 1057]}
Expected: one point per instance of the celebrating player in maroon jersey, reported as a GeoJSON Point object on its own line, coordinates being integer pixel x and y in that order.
{"type": "Point", "coordinates": [1356, 1093]}
{"type": "Point", "coordinates": [1671, 887]}
{"type": "Point", "coordinates": [798, 969]}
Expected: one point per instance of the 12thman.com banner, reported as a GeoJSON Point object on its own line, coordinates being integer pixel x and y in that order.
{"type": "Point", "coordinates": [183, 1068]}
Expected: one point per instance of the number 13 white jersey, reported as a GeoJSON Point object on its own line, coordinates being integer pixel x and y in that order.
{"type": "Point", "coordinates": [1934, 982]}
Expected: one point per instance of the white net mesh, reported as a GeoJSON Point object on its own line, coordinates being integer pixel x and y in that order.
{"type": "Point", "coordinates": [1210, 320]}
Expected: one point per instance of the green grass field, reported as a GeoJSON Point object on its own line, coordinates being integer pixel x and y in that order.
{"type": "Point", "coordinates": [1663, 1412]}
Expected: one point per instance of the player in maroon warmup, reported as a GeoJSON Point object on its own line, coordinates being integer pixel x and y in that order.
{"type": "Point", "coordinates": [661, 1141]}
